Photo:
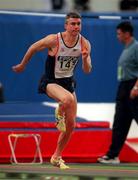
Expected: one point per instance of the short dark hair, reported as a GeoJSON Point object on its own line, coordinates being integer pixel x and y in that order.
{"type": "Point", "coordinates": [126, 26]}
{"type": "Point", "coordinates": [72, 15]}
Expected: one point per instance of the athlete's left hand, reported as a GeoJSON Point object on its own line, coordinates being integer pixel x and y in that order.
{"type": "Point", "coordinates": [85, 53]}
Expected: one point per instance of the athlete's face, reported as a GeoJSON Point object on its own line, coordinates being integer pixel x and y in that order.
{"type": "Point", "coordinates": [73, 26]}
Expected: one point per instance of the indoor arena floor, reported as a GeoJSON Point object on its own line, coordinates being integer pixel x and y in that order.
{"type": "Point", "coordinates": [94, 171]}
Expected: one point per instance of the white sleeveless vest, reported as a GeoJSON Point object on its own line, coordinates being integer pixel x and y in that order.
{"type": "Point", "coordinates": [66, 58]}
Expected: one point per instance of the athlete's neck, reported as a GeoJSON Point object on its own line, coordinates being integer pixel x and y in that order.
{"type": "Point", "coordinates": [69, 39]}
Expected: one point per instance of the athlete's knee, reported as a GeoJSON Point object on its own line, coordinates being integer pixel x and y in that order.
{"type": "Point", "coordinates": [68, 101]}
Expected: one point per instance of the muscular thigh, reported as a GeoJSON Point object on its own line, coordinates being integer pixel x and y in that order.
{"type": "Point", "coordinates": [57, 92]}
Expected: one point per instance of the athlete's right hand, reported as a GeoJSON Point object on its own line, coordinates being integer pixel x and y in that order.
{"type": "Point", "coordinates": [18, 68]}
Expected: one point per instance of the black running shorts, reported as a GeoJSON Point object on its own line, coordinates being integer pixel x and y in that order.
{"type": "Point", "coordinates": [67, 83]}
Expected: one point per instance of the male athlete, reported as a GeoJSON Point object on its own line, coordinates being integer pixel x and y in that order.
{"type": "Point", "coordinates": [64, 51]}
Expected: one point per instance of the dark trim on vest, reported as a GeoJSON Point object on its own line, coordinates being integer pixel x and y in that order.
{"type": "Point", "coordinates": [69, 46]}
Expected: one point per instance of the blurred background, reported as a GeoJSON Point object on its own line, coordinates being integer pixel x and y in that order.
{"type": "Point", "coordinates": [67, 5]}
{"type": "Point", "coordinates": [16, 25]}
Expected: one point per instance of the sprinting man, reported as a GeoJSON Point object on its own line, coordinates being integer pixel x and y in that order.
{"type": "Point", "coordinates": [64, 51]}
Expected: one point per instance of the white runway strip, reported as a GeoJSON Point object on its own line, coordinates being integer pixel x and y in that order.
{"type": "Point", "coordinates": [99, 112]}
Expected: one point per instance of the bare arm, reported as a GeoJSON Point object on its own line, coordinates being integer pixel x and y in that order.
{"type": "Point", "coordinates": [47, 42]}
{"type": "Point", "coordinates": [86, 58]}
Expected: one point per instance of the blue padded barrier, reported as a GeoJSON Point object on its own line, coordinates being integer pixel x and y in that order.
{"type": "Point", "coordinates": [18, 31]}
